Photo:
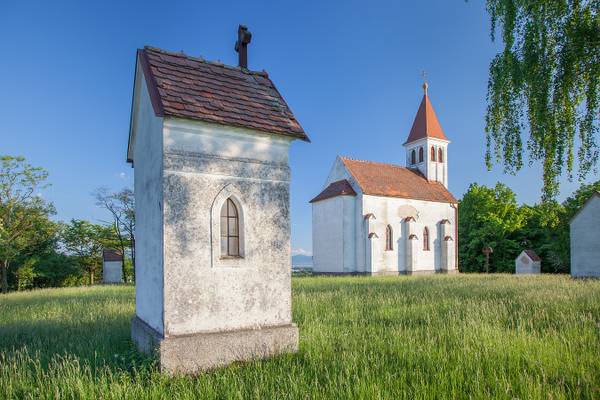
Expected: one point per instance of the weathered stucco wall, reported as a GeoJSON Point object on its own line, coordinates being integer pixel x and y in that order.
{"type": "Point", "coordinates": [204, 293]}
{"type": "Point", "coordinates": [585, 240]}
{"type": "Point", "coordinates": [148, 207]}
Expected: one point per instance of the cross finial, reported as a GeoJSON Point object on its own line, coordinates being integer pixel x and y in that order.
{"type": "Point", "coordinates": [425, 84]}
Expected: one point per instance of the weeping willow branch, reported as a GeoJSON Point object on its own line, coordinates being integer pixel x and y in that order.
{"type": "Point", "coordinates": [545, 82]}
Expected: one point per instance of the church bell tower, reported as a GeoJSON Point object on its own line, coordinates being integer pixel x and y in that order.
{"type": "Point", "coordinates": [427, 145]}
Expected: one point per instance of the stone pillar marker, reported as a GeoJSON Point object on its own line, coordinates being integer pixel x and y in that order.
{"type": "Point", "coordinates": [213, 262]}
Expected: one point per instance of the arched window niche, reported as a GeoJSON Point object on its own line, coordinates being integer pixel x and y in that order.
{"type": "Point", "coordinates": [228, 222]}
{"type": "Point", "coordinates": [420, 154]}
{"type": "Point", "coordinates": [230, 229]}
{"type": "Point", "coordinates": [440, 155]}
{"type": "Point", "coordinates": [432, 153]}
{"type": "Point", "coordinates": [389, 238]}
{"type": "Point", "coordinates": [426, 239]}
{"type": "Point", "coordinates": [413, 157]}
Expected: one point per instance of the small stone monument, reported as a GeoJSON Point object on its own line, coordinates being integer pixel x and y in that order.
{"type": "Point", "coordinates": [528, 262]}
{"type": "Point", "coordinates": [112, 266]}
{"type": "Point", "coordinates": [209, 144]}
{"type": "Point", "coordinates": [585, 240]}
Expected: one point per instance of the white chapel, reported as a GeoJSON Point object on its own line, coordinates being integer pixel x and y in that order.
{"type": "Point", "coordinates": [384, 219]}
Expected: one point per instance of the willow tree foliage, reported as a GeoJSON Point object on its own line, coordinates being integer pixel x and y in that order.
{"type": "Point", "coordinates": [546, 81]}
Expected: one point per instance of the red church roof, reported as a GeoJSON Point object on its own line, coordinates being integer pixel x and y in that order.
{"type": "Point", "coordinates": [193, 88]}
{"type": "Point", "coordinates": [337, 188]}
{"type": "Point", "coordinates": [379, 179]}
{"type": "Point", "coordinates": [426, 123]}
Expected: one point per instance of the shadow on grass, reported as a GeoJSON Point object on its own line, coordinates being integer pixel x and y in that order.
{"type": "Point", "coordinates": [93, 329]}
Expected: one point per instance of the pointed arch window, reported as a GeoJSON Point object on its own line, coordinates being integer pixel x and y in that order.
{"type": "Point", "coordinates": [413, 157]}
{"type": "Point", "coordinates": [440, 155]}
{"type": "Point", "coordinates": [426, 239]}
{"type": "Point", "coordinates": [389, 238]}
{"type": "Point", "coordinates": [420, 154]}
{"type": "Point", "coordinates": [230, 229]}
{"type": "Point", "coordinates": [432, 153]}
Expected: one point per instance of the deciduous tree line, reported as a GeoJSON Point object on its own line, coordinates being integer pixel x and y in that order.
{"type": "Point", "coordinates": [492, 217]}
{"type": "Point", "coordinates": [37, 251]}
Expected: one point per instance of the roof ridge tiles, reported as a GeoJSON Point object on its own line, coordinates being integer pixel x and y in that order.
{"type": "Point", "coordinates": [193, 88]}
{"type": "Point", "coordinates": [201, 59]}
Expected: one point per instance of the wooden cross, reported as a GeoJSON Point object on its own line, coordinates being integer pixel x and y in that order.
{"type": "Point", "coordinates": [487, 250]}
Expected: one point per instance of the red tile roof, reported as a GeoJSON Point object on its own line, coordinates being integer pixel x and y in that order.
{"type": "Point", "coordinates": [337, 188]}
{"type": "Point", "coordinates": [426, 123]}
{"type": "Point", "coordinates": [193, 88]}
{"type": "Point", "coordinates": [379, 179]}
{"type": "Point", "coordinates": [112, 255]}
{"type": "Point", "coordinates": [532, 254]}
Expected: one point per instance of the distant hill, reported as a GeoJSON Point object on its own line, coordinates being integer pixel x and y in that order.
{"type": "Point", "coordinates": [302, 261]}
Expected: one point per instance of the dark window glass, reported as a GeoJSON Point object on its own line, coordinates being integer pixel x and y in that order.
{"type": "Point", "coordinates": [432, 153]}
{"type": "Point", "coordinates": [420, 154]}
{"type": "Point", "coordinates": [230, 224]}
{"type": "Point", "coordinates": [426, 239]}
{"type": "Point", "coordinates": [413, 158]}
{"type": "Point", "coordinates": [389, 238]}
{"type": "Point", "coordinates": [440, 155]}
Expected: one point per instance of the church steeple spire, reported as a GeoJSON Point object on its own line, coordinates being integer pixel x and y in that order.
{"type": "Point", "coordinates": [426, 123]}
{"type": "Point", "coordinates": [427, 145]}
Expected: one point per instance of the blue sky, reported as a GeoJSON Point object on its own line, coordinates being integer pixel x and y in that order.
{"type": "Point", "coordinates": [351, 72]}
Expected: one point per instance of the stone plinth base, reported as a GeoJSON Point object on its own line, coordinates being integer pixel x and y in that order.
{"type": "Point", "coordinates": [191, 354]}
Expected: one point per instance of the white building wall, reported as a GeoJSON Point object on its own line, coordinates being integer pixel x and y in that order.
{"type": "Point", "coordinates": [392, 211]}
{"type": "Point", "coordinates": [585, 240]}
{"type": "Point", "coordinates": [147, 155]}
{"type": "Point", "coordinates": [328, 235]}
{"type": "Point", "coordinates": [432, 170]}
{"type": "Point", "coordinates": [203, 292]}
{"type": "Point", "coordinates": [526, 266]}
{"type": "Point", "coordinates": [112, 272]}
{"type": "Point", "coordinates": [349, 231]}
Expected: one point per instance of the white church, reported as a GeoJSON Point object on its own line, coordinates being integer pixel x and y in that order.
{"type": "Point", "coordinates": [383, 219]}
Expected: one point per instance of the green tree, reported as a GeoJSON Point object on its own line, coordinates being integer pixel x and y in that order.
{"type": "Point", "coordinates": [20, 208]}
{"type": "Point", "coordinates": [121, 206]}
{"type": "Point", "coordinates": [547, 232]}
{"type": "Point", "coordinates": [545, 80]}
{"type": "Point", "coordinates": [85, 242]}
{"type": "Point", "coordinates": [489, 217]}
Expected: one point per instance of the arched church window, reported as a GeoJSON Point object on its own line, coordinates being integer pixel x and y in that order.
{"type": "Point", "coordinates": [432, 153]}
{"type": "Point", "coordinates": [420, 154]}
{"type": "Point", "coordinates": [413, 157]}
{"type": "Point", "coordinates": [440, 155]}
{"type": "Point", "coordinates": [230, 229]}
{"type": "Point", "coordinates": [426, 239]}
{"type": "Point", "coordinates": [389, 238]}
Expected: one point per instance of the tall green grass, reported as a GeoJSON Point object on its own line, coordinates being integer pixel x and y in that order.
{"type": "Point", "coordinates": [468, 336]}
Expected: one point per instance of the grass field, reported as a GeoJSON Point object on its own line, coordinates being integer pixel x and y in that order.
{"type": "Point", "coordinates": [468, 336]}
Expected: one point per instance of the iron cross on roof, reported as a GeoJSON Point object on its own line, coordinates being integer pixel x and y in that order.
{"type": "Point", "coordinates": [425, 84]}
{"type": "Point", "coordinates": [241, 46]}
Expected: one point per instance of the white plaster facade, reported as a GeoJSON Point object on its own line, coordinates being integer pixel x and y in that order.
{"type": "Point", "coordinates": [342, 228]}
{"type": "Point", "coordinates": [184, 171]}
{"type": "Point", "coordinates": [527, 265]}
{"type": "Point", "coordinates": [112, 272]}
{"type": "Point", "coordinates": [585, 239]}
{"type": "Point", "coordinates": [432, 168]}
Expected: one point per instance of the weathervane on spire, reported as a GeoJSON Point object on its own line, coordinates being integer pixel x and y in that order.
{"type": "Point", "coordinates": [425, 84]}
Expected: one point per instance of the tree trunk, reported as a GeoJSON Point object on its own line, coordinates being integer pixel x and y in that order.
{"type": "Point", "coordinates": [91, 273]}
{"type": "Point", "coordinates": [4, 267]}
